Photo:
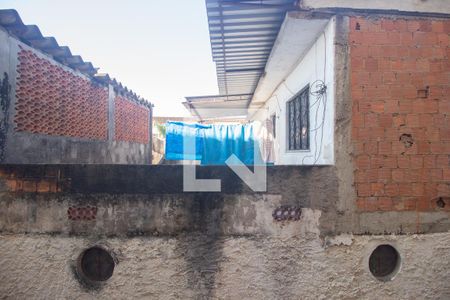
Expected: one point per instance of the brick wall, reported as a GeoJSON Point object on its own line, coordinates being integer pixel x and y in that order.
{"type": "Point", "coordinates": [40, 179]}
{"type": "Point", "coordinates": [400, 87]}
{"type": "Point", "coordinates": [131, 121]}
{"type": "Point", "coordinates": [53, 101]}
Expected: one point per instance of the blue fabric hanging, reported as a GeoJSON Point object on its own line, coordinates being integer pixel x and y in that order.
{"type": "Point", "coordinates": [221, 141]}
{"type": "Point", "coordinates": [175, 132]}
{"type": "Point", "coordinates": [214, 143]}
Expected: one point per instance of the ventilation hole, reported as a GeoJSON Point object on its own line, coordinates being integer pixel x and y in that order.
{"type": "Point", "coordinates": [440, 202]}
{"type": "Point", "coordinates": [384, 262]}
{"type": "Point", "coordinates": [407, 140]}
{"type": "Point", "coordinates": [423, 93]}
{"type": "Point", "coordinates": [96, 264]}
{"type": "Point", "coordinates": [358, 26]}
{"type": "Point", "coordinates": [284, 213]}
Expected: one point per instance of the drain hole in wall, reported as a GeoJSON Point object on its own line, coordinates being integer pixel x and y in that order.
{"type": "Point", "coordinates": [423, 93]}
{"type": "Point", "coordinates": [440, 202]}
{"type": "Point", "coordinates": [384, 262]}
{"type": "Point", "coordinates": [407, 140]}
{"type": "Point", "coordinates": [96, 264]}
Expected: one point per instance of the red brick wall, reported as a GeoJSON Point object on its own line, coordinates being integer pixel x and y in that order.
{"type": "Point", "coordinates": [131, 121]}
{"type": "Point", "coordinates": [52, 101]}
{"type": "Point", "coordinates": [400, 87]}
{"type": "Point", "coordinates": [44, 179]}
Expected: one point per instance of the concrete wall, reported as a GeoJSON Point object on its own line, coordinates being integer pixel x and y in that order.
{"type": "Point", "coordinates": [145, 191]}
{"type": "Point", "coordinates": [23, 142]}
{"type": "Point", "coordinates": [240, 267]}
{"type": "Point", "coordinates": [169, 244]}
{"type": "Point", "coordinates": [309, 69]}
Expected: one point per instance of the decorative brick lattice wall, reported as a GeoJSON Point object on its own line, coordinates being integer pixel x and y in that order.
{"type": "Point", "coordinates": [400, 87]}
{"type": "Point", "coordinates": [82, 213]}
{"type": "Point", "coordinates": [53, 101]}
{"type": "Point", "coordinates": [131, 121]}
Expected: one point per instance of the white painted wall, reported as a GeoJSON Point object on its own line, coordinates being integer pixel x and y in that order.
{"type": "Point", "coordinates": [309, 69]}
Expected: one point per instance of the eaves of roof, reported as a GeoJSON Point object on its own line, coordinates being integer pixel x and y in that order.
{"type": "Point", "coordinates": [242, 34]}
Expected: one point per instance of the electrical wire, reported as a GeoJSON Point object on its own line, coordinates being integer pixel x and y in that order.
{"type": "Point", "coordinates": [278, 104]}
{"type": "Point", "coordinates": [323, 91]}
{"type": "Point", "coordinates": [284, 83]}
{"type": "Point", "coordinates": [319, 91]}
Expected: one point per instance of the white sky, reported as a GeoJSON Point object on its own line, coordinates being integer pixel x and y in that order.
{"type": "Point", "coordinates": [160, 49]}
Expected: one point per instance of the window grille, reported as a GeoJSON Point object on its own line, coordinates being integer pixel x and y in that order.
{"type": "Point", "coordinates": [298, 121]}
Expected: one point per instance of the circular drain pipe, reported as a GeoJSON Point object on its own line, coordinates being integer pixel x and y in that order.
{"type": "Point", "coordinates": [384, 262]}
{"type": "Point", "coordinates": [95, 265]}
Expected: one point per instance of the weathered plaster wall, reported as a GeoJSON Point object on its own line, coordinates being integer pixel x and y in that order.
{"type": "Point", "coordinates": [36, 199]}
{"type": "Point", "coordinates": [300, 266]}
{"type": "Point", "coordinates": [171, 244]}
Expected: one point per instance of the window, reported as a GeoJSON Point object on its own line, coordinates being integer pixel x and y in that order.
{"type": "Point", "coordinates": [273, 118]}
{"type": "Point", "coordinates": [298, 121]}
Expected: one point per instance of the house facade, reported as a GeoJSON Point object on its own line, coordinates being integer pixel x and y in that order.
{"type": "Point", "coordinates": [356, 205]}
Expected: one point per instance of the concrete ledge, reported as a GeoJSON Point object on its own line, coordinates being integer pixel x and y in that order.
{"type": "Point", "coordinates": [414, 6]}
{"type": "Point", "coordinates": [148, 200]}
{"type": "Point", "coordinates": [293, 182]}
{"type": "Point", "coordinates": [152, 215]}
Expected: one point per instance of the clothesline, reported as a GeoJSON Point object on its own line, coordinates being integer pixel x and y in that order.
{"type": "Point", "coordinates": [215, 143]}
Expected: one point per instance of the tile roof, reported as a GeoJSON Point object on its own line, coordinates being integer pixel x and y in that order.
{"type": "Point", "coordinates": [32, 36]}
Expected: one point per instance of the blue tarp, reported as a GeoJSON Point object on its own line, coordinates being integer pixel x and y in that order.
{"type": "Point", "coordinates": [214, 143]}
{"type": "Point", "coordinates": [175, 131]}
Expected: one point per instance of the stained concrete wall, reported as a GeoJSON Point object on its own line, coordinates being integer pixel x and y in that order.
{"type": "Point", "coordinates": [170, 244]}
{"type": "Point", "coordinates": [24, 147]}
{"type": "Point", "coordinates": [154, 197]}
{"type": "Point", "coordinates": [193, 266]}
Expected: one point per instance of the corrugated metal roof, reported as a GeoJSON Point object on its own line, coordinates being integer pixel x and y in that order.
{"type": "Point", "coordinates": [32, 36]}
{"type": "Point", "coordinates": [242, 34]}
{"type": "Point", "coordinates": [219, 98]}
{"type": "Point", "coordinates": [217, 106]}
